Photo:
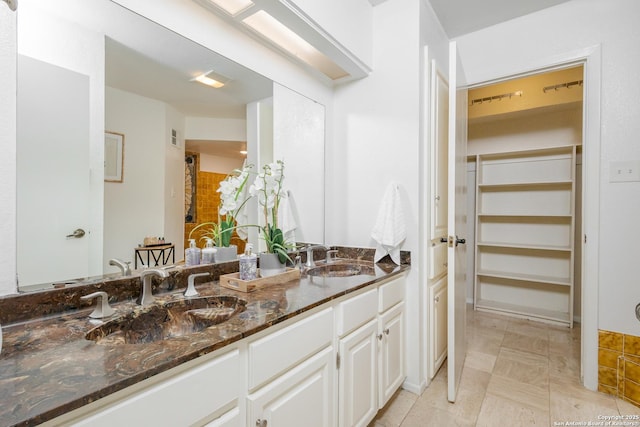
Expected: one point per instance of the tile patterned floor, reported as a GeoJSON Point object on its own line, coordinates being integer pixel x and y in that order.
{"type": "Point", "coordinates": [516, 373]}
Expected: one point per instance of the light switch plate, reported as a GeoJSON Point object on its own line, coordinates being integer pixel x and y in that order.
{"type": "Point", "coordinates": [624, 171]}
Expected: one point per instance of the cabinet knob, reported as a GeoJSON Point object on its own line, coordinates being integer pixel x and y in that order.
{"type": "Point", "coordinates": [437, 299]}
{"type": "Point", "coordinates": [386, 331]}
{"type": "Point", "coordinates": [380, 337]}
{"type": "Point", "coordinates": [261, 423]}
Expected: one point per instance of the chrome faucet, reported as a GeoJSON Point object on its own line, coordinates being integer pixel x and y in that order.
{"type": "Point", "coordinates": [146, 276]}
{"type": "Point", "coordinates": [310, 248]}
{"type": "Point", "coordinates": [124, 266]}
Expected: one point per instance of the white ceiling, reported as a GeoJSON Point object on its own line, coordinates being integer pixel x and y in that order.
{"type": "Point", "coordinates": [460, 17]}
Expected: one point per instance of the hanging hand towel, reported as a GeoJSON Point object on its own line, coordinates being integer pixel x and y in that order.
{"type": "Point", "coordinates": [286, 218]}
{"type": "Point", "coordinates": [390, 230]}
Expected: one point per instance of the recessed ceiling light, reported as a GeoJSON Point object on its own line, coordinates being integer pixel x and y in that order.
{"type": "Point", "coordinates": [232, 7]}
{"type": "Point", "coordinates": [243, 152]}
{"type": "Point", "coordinates": [278, 33]}
{"type": "Point", "coordinates": [212, 79]}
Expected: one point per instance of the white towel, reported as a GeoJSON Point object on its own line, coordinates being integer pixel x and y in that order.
{"type": "Point", "coordinates": [286, 218]}
{"type": "Point", "coordinates": [390, 229]}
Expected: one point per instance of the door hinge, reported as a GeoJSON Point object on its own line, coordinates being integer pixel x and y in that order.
{"type": "Point", "coordinates": [585, 238]}
{"type": "Point", "coordinates": [337, 360]}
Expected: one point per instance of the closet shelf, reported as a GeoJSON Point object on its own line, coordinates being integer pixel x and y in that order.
{"type": "Point", "coordinates": [525, 185]}
{"type": "Point", "coordinates": [537, 278]}
{"type": "Point", "coordinates": [538, 313]}
{"type": "Point", "coordinates": [525, 246]}
{"type": "Point", "coordinates": [518, 215]}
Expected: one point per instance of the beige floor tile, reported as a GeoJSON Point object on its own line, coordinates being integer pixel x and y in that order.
{"type": "Point", "coordinates": [530, 343]}
{"type": "Point", "coordinates": [626, 408]}
{"type": "Point", "coordinates": [537, 397]}
{"type": "Point", "coordinates": [480, 361]}
{"type": "Point", "coordinates": [497, 411]}
{"type": "Point", "coordinates": [484, 341]}
{"type": "Point", "coordinates": [430, 416]}
{"type": "Point", "coordinates": [564, 365]}
{"type": "Point", "coordinates": [522, 366]}
{"type": "Point", "coordinates": [510, 378]}
{"type": "Point", "coordinates": [570, 401]}
{"type": "Point", "coordinates": [529, 328]}
{"type": "Point", "coordinates": [394, 413]}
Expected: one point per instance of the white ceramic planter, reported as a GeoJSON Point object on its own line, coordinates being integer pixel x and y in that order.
{"type": "Point", "coordinates": [270, 265]}
{"type": "Point", "coordinates": [224, 254]}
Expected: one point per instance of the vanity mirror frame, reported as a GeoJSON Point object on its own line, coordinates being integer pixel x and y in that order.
{"type": "Point", "coordinates": [317, 195]}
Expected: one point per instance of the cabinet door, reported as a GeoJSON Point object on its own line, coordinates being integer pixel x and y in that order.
{"type": "Point", "coordinates": [438, 330]}
{"type": "Point", "coordinates": [391, 359]}
{"type": "Point", "coordinates": [358, 376]}
{"type": "Point", "coordinates": [302, 396]}
{"type": "Point", "coordinates": [229, 419]}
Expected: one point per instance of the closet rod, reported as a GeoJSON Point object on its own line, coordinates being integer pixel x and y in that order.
{"type": "Point", "coordinates": [562, 85]}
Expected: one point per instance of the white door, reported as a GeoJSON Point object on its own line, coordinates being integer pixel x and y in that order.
{"type": "Point", "coordinates": [53, 179]}
{"type": "Point", "coordinates": [456, 252]}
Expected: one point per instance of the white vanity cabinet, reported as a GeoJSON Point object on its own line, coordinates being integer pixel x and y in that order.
{"type": "Point", "coordinates": [291, 374]}
{"type": "Point", "coordinates": [208, 391]}
{"type": "Point", "coordinates": [370, 329]}
{"type": "Point", "coordinates": [336, 364]}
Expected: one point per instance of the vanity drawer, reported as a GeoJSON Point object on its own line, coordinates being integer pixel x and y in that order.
{"type": "Point", "coordinates": [199, 391]}
{"type": "Point", "coordinates": [356, 311]}
{"type": "Point", "coordinates": [390, 293]}
{"type": "Point", "coordinates": [281, 350]}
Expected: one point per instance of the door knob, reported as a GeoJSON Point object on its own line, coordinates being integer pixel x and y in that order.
{"type": "Point", "coordinates": [77, 234]}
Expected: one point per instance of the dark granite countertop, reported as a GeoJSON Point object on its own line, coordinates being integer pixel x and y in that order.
{"type": "Point", "coordinates": [48, 367]}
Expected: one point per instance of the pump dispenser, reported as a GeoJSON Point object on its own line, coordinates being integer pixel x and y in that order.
{"type": "Point", "coordinates": [208, 252]}
{"type": "Point", "coordinates": [248, 264]}
{"type": "Point", "coordinates": [192, 254]}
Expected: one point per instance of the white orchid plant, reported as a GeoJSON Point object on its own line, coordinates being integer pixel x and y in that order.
{"type": "Point", "coordinates": [232, 199]}
{"type": "Point", "coordinates": [268, 188]}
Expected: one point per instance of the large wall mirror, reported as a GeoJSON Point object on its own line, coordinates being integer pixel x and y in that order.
{"type": "Point", "coordinates": [86, 67]}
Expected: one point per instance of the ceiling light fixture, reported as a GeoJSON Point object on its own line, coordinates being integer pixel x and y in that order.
{"type": "Point", "coordinates": [279, 34]}
{"type": "Point", "coordinates": [232, 7]}
{"type": "Point", "coordinates": [212, 79]}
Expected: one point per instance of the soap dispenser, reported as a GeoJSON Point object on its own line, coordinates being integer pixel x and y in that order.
{"type": "Point", "coordinates": [208, 252]}
{"type": "Point", "coordinates": [192, 254]}
{"type": "Point", "coordinates": [248, 264]}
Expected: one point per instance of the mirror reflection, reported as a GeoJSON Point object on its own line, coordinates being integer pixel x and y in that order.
{"type": "Point", "coordinates": [87, 67]}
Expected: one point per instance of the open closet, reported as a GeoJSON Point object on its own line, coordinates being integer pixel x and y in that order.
{"type": "Point", "coordinates": [524, 196]}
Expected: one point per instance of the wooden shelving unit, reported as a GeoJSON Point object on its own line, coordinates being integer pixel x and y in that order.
{"type": "Point", "coordinates": [524, 254]}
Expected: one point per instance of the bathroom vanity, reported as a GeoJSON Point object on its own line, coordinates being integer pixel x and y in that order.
{"type": "Point", "coordinates": [326, 349]}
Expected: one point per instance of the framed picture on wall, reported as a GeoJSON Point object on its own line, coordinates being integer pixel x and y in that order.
{"type": "Point", "coordinates": [113, 156]}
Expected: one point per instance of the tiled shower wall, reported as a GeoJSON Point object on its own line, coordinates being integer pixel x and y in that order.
{"type": "Point", "coordinates": [619, 365]}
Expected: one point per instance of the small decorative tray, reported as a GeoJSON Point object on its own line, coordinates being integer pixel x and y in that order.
{"type": "Point", "coordinates": [232, 281]}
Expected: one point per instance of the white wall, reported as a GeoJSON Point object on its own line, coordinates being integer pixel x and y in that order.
{"type": "Point", "coordinates": [8, 45]}
{"type": "Point", "coordinates": [298, 140]}
{"type": "Point", "coordinates": [135, 208]}
{"type": "Point", "coordinates": [174, 181]}
{"type": "Point", "coordinates": [218, 164]}
{"type": "Point", "coordinates": [516, 46]}
{"type": "Point", "coordinates": [211, 128]}
{"type": "Point", "coordinates": [376, 141]}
